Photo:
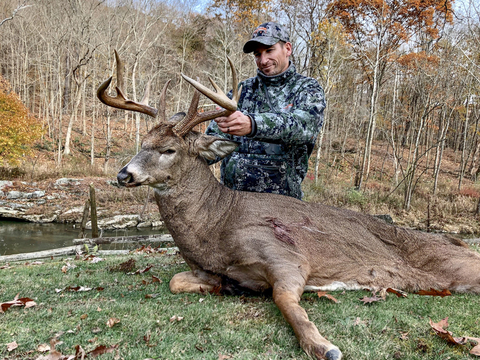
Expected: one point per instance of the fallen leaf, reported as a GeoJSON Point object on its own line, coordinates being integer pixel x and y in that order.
{"type": "Point", "coordinates": [74, 288]}
{"type": "Point", "coordinates": [223, 357]}
{"type": "Point", "coordinates": [397, 292]}
{"type": "Point", "coordinates": [79, 352]}
{"type": "Point", "coordinates": [12, 346]}
{"type": "Point", "coordinates": [43, 348]}
{"type": "Point", "coordinates": [97, 260]}
{"type": "Point", "coordinates": [440, 329]}
{"type": "Point", "coordinates": [84, 316]}
{"type": "Point", "coordinates": [140, 271]}
{"type": "Point", "coordinates": [369, 300]}
{"type": "Point", "coordinates": [433, 292]}
{"type": "Point", "coordinates": [16, 302]}
{"type": "Point", "coordinates": [359, 321]}
{"type": "Point", "coordinates": [176, 318]}
{"type": "Point", "coordinates": [151, 296]}
{"type": "Point", "coordinates": [156, 279]}
{"type": "Point", "coordinates": [476, 349]}
{"type": "Point", "coordinates": [112, 321]}
{"type": "Point", "coordinates": [102, 349]}
{"type": "Point", "coordinates": [30, 304]}
{"type": "Point", "coordinates": [328, 296]}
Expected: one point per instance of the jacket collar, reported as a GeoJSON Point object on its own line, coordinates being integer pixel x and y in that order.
{"type": "Point", "coordinates": [277, 79]}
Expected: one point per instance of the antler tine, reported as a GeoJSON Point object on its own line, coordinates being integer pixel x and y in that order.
{"type": "Point", "coordinates": [218, 98]}
{"type": "Point", "coordinates": [120, 70]}
{"type": "Point", "coordinates": [194, 118]}
{"type": "Point", "coordinates": [235, 90]}
{"type": "Point", "coordinates": [163, 106]}
{"type": "Point", "coordinates": [121, 101]}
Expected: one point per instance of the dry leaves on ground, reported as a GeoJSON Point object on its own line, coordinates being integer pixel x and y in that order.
{"type": "Point", "coordinates": [440, 329]}
{"type": "Point", "coordinates": [433, 292]}
{"type": "Point", "coordinates": [327, 295]}
{"type": "Point", "coordinates": [27, 302]}
{"type": "Point", "coordinates": [112, 321]}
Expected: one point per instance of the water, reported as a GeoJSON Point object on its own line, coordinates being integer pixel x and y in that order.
{"type": "Point", "coordinates": [18, 237]}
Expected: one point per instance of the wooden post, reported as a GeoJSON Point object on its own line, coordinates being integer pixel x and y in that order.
{"type": "Point", "coordinates": [86, 209]}
{"type": "Point", "coordinates": [93, 212]}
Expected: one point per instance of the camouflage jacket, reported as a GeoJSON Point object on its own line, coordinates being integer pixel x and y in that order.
{"type": "Point", "coordinates": [287, 113]}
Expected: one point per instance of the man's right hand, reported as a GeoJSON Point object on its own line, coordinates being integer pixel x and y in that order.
{"type": "Point", "coordinates": [237, 124]}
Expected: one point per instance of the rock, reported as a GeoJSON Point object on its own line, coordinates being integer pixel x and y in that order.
{"type": "Point", "coordinates": [113, 183]}
{"type": "Point", "coordinates": [12, 195]}
{"type": "Point", "coordinates": [7, 212]}
{"type": "Point", "coordinates": [2, 194]}
{"type": "Point", "coordinates": [35, 195]}
{"type": "Point", "coordinates": [117, 222]}
{"type": "Point", "coordinates": [15, 206]}
{"type": "Point", "coordinates": [144, 224]}
{"type": "Point", "coordinates": [42, 218]}
{"type": "Point", "coordinates": [5, 183]}
{"type": "Point", "coordinates": [158, 223]}
{"type": "Point", "coordinates": [68, 181]}
{"type": "Point", "coordinates": [78, 209]}
{"type": "Point", "coordinates": [385, 217]}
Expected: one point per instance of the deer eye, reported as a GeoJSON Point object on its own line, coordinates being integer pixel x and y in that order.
{"type": "Point", "coordinates": [169, 151]}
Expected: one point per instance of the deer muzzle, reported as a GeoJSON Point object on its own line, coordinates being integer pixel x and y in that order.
{"type": "Point", "coordinates": [125, 178]}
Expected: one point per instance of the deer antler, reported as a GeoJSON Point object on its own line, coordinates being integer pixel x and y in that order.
{"type": "Point", "coordinates": [121, 101]}
{"type": "Point", "coordinates": [194, 118]}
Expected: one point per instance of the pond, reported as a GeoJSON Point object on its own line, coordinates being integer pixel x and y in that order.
{"type": "Point", "coordinates": [22, 237]}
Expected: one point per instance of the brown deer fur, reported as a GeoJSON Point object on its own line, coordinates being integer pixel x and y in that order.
{"type": "Point", "coordinates": [268, 241]}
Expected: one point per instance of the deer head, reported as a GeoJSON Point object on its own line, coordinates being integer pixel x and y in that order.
{"type": "Point", "coordinates": [166, 148]}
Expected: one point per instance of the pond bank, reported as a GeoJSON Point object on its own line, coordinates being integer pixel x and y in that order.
{"type": "Point", "coordinates": [63, 201]}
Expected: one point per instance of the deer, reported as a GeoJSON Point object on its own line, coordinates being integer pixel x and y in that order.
{"type": "Point", "coordinates": [269, 242]}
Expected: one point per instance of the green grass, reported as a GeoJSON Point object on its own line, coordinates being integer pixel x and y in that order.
{"type": "Point", "coordinates": [240, 327]}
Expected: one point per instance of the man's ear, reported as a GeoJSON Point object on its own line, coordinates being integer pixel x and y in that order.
{"type": "Point", "coordinates": [288, 46]}
{"type": "Point", "coordinates": [211, 147]}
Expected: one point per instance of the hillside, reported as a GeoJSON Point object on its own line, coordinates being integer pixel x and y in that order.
{"type": "Point", "coordinates": [450, 210]}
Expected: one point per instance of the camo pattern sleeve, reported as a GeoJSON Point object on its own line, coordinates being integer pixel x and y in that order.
{"type": "Point", "coordinates": [290, 115]}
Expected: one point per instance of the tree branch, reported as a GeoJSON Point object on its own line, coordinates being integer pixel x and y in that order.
{"type": "Point", "coordinates": [20, 7]}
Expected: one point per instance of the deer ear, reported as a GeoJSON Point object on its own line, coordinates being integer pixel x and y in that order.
{"type": "Point", "coordinates": [177, 117]}
{"type": "Point", "coordinates": [211, 147]}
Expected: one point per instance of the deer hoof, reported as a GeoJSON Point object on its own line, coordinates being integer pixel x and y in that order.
{"type": "Point", "coordinates": [333, 354]}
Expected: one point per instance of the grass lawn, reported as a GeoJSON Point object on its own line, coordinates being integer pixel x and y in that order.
{"type": "Point", "coordinates": [151, 323]}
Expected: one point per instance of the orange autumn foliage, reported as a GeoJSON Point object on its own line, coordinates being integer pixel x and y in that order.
{"type": "Point", "coordinates": [392, 20]}
{"type": "Point", "coordinates": [18, 129]}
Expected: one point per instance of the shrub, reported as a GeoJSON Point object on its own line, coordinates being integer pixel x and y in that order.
{"type": "Point", "coordinates": [18, 129]}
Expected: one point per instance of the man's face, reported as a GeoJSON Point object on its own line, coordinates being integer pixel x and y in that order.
{"type": "Point", "coordinates": [273, 60]}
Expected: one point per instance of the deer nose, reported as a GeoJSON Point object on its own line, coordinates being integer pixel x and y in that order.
{"type": "Point", "coordinates": [124, 177]}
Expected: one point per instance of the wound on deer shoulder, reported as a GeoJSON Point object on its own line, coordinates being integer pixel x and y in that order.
{"type": "Point", "coordinates": [281, 231]}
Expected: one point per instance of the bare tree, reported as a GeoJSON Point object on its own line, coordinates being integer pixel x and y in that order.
{"type": "Point", "coordinates": [15, 11]}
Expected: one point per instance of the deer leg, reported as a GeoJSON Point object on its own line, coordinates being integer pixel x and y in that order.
{"type": "Point", "coordinates": [314, 344]}
{"type": "Point", "coordinates": [193, 282]}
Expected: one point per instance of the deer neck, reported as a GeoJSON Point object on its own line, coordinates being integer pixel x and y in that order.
{"type": "Point", "coordinates": [198, 203]}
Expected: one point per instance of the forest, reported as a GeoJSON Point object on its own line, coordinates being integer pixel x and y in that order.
{"type": "Point", "coordinates": [401, 78]}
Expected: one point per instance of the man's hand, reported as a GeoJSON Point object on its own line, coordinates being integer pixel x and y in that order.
{"type": "Point", "coordinates": [235, 124]}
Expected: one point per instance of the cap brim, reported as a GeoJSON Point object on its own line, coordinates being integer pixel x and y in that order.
{"type": "Point", "coordinates": [251, 45]}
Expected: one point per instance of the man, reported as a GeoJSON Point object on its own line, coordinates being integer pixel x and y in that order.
{"type": "Point", "coordinates": [280, 113]}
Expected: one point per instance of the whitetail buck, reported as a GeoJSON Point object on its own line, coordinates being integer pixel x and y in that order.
{"type": "Point", "coordinates": [267, 241]}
